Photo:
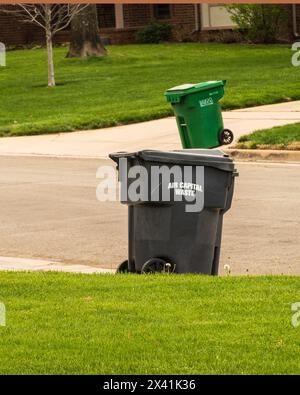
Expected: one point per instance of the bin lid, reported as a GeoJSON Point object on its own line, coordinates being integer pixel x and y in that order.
{"type": "Point", "coordinates": [186, 89]}
{"type": "Point", "coordinates": [198, 157]}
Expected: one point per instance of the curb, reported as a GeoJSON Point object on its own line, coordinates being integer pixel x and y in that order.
{"type": "Point", "coordinates": [264, 155]}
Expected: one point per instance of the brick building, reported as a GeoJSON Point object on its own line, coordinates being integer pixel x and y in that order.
{"type": "Point", "coordinates": [120, 22]}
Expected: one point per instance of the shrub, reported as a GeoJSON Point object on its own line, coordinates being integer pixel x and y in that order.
{"type": "Point", "coordinates": [154, 33]}
{"type": "Point", "coordinates": [259, 22]}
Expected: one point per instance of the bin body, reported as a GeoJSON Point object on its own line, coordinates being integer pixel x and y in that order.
{"type": "Point", "coordinates": [164, 229]}
{"type": "Point", "coordinates": [198, 113]}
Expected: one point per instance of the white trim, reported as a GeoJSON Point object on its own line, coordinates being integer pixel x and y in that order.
{"type": "Point", "coordinates": [207, 17]}
{"type": "Point", "coordinates": [119, 16]}
{"type": "Point", "coordinates": [197, 17]}
{"type": "Point", "coordinates": [2, 55]}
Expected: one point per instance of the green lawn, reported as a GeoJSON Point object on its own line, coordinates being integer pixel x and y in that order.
{"type": "Point", "coordinates": [178, 324]}
{"type": "Point", "coordinates": [128, 85]}
{"type": "Point", "coordinates": [280, 137]}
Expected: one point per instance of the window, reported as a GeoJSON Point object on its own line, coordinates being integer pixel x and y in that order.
{"type": "Point", "coordinates": [106, 15]}
{"type": "Point", "coordinates": [215, 16]}
{"type": "Point", "coordinates": [162, 11]}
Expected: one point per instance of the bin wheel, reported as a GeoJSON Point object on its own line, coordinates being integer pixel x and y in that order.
{"type": "Point", "coordinates": [123, 267]}
{"type": "Point", "coordinates": [157, 265]}
{"type": "Point", "coordinates": [226, 137]}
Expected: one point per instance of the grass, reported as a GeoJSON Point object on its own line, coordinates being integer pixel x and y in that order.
{"type": "Point", "coordinates": [128, 324]}
{"type": "Point", "coordinates": [128, 85]}
{"type": "Point", "coordinates": [280, 137]}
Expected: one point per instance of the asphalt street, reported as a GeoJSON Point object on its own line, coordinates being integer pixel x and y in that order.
{"type": "Point", "coordinates": [49, 210]}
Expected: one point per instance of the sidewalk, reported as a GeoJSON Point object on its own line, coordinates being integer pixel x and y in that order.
{"type": "Point", "coordinates": [21, 264]}
{"type": "Point", "coordinates": [157, 134]}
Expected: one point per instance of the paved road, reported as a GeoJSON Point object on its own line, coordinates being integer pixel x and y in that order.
{"type": "Point", "coordinates": [48, 210]}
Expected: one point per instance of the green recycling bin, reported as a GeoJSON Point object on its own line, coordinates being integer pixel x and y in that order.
{"type": "Point", "coordinates": [198, 114]}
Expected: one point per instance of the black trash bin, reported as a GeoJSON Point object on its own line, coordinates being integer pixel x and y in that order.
{"type": "Point", "coordinates": [176, 211]}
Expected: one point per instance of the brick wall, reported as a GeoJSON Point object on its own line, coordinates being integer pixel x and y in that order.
{"type": "Point", "coordinates": [14, 32]}
{"type": "Point", "coordinates": [285, 32]}
{"type": "Point", "coordinates": [182, 18]}
{"type": "Point", "coordinates": [136, 15]}
{"type": "Point", "coordinates": [106, 15]}
{"type": "Point", "coordinates": [183, 21]}
{"type": "Point", "coordinates": [184, 14]}
{"type": "Point", "coordinates": [298, 17]}
{"type": "Point", "coordinates": [119, 36]}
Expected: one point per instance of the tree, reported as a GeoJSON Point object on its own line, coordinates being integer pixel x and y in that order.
{"type": "Point", "coordinates": [51, 18]}
{"type": "Point", "coordinates": [85, 37]}
{"type": "Point", "coordinates": [259, 22]}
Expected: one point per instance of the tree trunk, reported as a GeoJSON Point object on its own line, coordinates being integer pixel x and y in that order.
{"type": "Point", "coordinates": [51, 78]}
{"type": "Point", "coordinates": [85, 37]}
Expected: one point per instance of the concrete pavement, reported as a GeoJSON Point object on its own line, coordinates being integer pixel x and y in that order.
{"type": "Point", "coordinates": [21, 264]}
{"type": "Point", "coordinates": [49, 212]}
{"type": "Point", "coordinates": [157, 134]}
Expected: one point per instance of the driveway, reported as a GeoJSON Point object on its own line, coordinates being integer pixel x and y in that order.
{"type": "Point", "coordinates": [48, 210]}
{"type": "Point", "coordinates": [157, 134]}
